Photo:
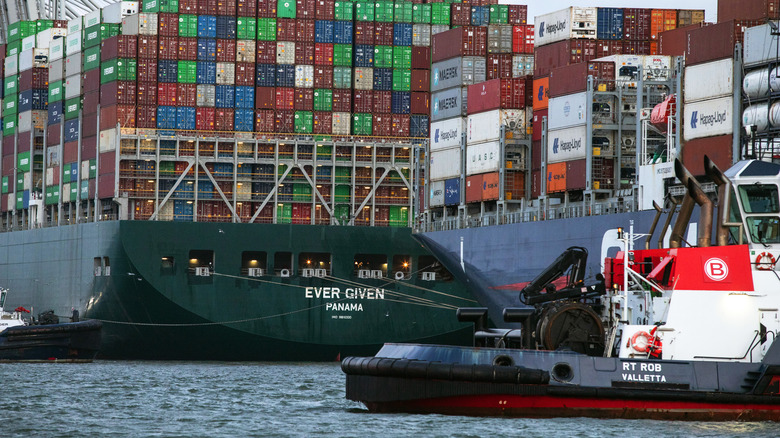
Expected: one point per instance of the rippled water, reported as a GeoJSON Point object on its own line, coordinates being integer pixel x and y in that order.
{"type": "Point", "coordinates": [186, 399]}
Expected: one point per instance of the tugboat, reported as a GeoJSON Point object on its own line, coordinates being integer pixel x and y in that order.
{"type": "Point", "coordinates": [675, 333]}
{"type": "Point", "coordinates": [47, 340]}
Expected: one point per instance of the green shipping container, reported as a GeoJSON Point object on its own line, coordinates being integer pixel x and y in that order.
{"type": "Point", "coordinates": [324, 152]}
{"type": "Point", "coordinates": [421, 13]}
{"type": "Point", "coordinates": [13, 48]}
{"type": "Point", "coordinates": [342, 77]}
{"type": "Point", "coordinates": [108, 30]}
{"type": "Point", "coordinates": [402, 79]}
{"type": "Point", "coordinates": [188, 25]}
{"type": "Point", "coordinates": [56, 90]}
{"type": "Point", "coordinates": [167, 167]}
{"type": "Point", "coordinates": [284, 213]}
{"type": "Point", "coordinates": [43, 25]}
{"type": "Point", "coordinates": [383, 11]}
{"type": "Point", "coordinates": [341, 213]}
{"type": "Point", "coordinates": [11, 85]}
{"type": "Point", "coordinates": [343, 176]}
{"type": "Point", "coordinates": [383, 56]}
{"type": "Point", "coordinates": [9, 125]}
{"type": "Point", "coordinates": [246, 28]}
{"type": "Point", "coordinates": [10, 105]}
{"type": "Point", "coordinates": [343, 11]}
{"type": "Point", "coordinates": [84, 190]}
{"type": "Point", "coordinates": [187, 72]}
{"type": "Point", "coordinates": [20, 180]}
{"type": "Point", "coordinates": [19, 200]}
{"type": "Point", "coordinates": [150, 6]}
{"type": "Point", "coordinates": [92, 36]}
{"type": "Point", "coordinates": [23, 162]}
{"type": "Point", "coordinates": [364, 11]}
{"type": "Point", "coordinates": [285, 9]}
{"type": "Point", "coordinates": [91, 58]}
{"type": "Point", "coordinates": [499, 14]}
{"type": "Point", "coordinates": [362, 123]}
{"type": "Point", "coordinates": [343, 193]}
{"type": "Point", "coordinates": [301, 192]}
{"type": "Point", "coordinates": [323, 99]}
{"type": "Point", "coordinates": [161, 6]}
{"type": "Point", "coordinates": [108, 71]}
{"type": "Point", "coordinates": [304, 122]}
{"type": "Point", "coordinates": [399, 216]}
{"type": "Point", "coordinates": [402, 57]}
{"type": "Point", "coordinates": [342, 55]}
{"type": "Point", "coordinates": [66, 173]}
{"type": "Point", "coordinates": [52, 195]}
{"type": "Point", "coordinates": [440, 13]}
{"type": "Point", "coordinates": [19, 30]}
{"type": "Point", "coordinates": [5, 185]}
{"type": "Point", "coordinates": [403, 12]}
{"type": "Point", "coordinates": [74, 191]}
{"type": "Point", "coordinates": [72, 107]}
{"type": "Point", "coordinates": [266, 29]}
{"type": "Point", "coordinates": [93, 168]}
{"type": "Point", "coordinates": [127, 69]}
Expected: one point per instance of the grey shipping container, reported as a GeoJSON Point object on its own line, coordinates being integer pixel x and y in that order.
{"type": "Point", "coordinates": [56, 70]}
{"type": "Point", "coordinates": [73, 64]}
{"type": "Point", "coordinates": [456, 72]}
{"type": "Point", "coordinates": [421, 35]}
{"type": "Point", "coordinates": [205, 95]}
{"type": "Point", "coordinates": [499, 38]}
{"type": "Point", "coordinates": [448, 103]}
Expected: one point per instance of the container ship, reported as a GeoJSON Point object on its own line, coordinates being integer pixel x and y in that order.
{"type": "Point", "coordinates": [231, 180]}
{"type": "Point", "coordinates": [617, 94]}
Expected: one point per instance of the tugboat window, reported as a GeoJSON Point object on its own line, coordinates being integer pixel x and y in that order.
{"type": "Point", "coordinates": [254, 263]}
{"type": "Point", "coordinates": [283, 262]}
{"type": "Point", "coordinates": [760, 201]}
{"type": "Point", "coordinates": [370, 265]}
{"type": "Point", "coordinates": [311, 264]}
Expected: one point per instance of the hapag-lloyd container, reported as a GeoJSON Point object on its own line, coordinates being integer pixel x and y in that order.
{"type": "Point", "coordinates": [708, 118]}
{"type": "Point", "coordinates": [461, 41]}
{"type": "Point", "coordinates": [483, 157]}
{"type": "Point", "coordinates": [566, 144]}
{"type": "Point", "coordinates": [456, 72]}
{"type": "Point", "coordinates": [447, 133]}
{"type": "Point", "coordinates": [445, 163]}
{"type": "Point", "coordinates": [569, 23]}
{"type": "Point", "coordinates": [485, 127]}
{"type": "Point", "coordinates": [719, 80]}
{"type": "Point", "coordinates": [497, 93]}
{"type": "Point", "coordinates": [541, 93]}
{"type": "Point", "coordinates": [566, 111]}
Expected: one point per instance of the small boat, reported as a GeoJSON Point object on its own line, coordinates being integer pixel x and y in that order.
{"type": "Point", "coordinates": [46, 340]}
{"type": "Point", "coordinates": [674, 333]}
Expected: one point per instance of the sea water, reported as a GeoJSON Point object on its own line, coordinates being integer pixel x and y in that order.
{"type": "Point", "coordinates": [222, 399]}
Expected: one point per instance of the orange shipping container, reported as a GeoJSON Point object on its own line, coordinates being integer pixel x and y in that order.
{"type": "Point", "coordinates": [514, 185]}
{"type": "Point", "coordinates": [662, 20]}
{"type": "Point", "coordinates": [474, 188]}
{"type": "Point", "coordinates": [556, 177]}
{"type": "Point", "coordinates": [490, 186]}
{"type": "Point", "coordinates": [541, 92]}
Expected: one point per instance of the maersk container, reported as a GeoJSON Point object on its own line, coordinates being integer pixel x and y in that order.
{"type": "Point", "coordinates": [447, 103]}
{"type": "Point", "coordinates": [570, 23]}
{"type": "Point", "coordinates": [719, 80]}
{"type": "Point", "coordinates": [421, 13]}
{"type": "Point", "coordinates": [609, 24]}
{"type": "Point", "coordinates": [207, 26]}
{"type": "Point", "coordinates": [285, 9]}
{"type": "Point", "coordinates": [205, 73]}
{"type": "Point", "coordinates": [401, 102]}
{"type": "Point", "coordinates": [342, 77]}
{"type": "Point", "coordinates": [452, 191]}
{"type": "Point", "coordinates": [402, 34]}
{"type": "Point", "coordinates": [364, 78]}
{"type": "Point", "coordinates": [323, 32]}
{"type": "Point", "coordinates": [304, 76]}
{"type": "Point", "coordinates": [760, 83]}
{"type": "Point", "coordinates": [244, 120]}
{"type": "Point", "coordinates": [445, 164]}
{"type": "Point", "coordinates": [754, 115]}
{"type": "Point", "coordinates": [383, 79]}
{"type": "Point", "coordinates": [364, 55]}
{"type": "Point", "coordinates": [421, 35]}
{"type": "Point", "coordinates": [224, 96]}
{"type": "Point", "coordinates": [342, 32]}
{"type": "Point", "coordinates": [456, 72]}
{"type": "Point", "coordinates": [226, 27]}
{"type": "Point", "coordinates": [207, 49]}
{"type": "Point", "coordinates": [285, 75]}
{"type": "Point", "coordinates": [304, 122]}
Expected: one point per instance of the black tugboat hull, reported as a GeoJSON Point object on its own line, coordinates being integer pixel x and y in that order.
{"type": "Point", "coordinates": [68, 342]}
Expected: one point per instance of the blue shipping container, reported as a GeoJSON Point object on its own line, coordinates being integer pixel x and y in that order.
{"type": "Point", "coordinates": [26, 199]}
{"type": "Point", "coordinates": [184, 190]}
{"type": "Point", "coordinates": [418, 126]}
{"type": "Point", "coordinates": [609, 24]}
{"type": "Point", "coordinates": [167, 71]}
{"type": "Point", "coordinates": [285, 75]}
{"type": "Point", "coordinates": [324, 172]}
{"type": "Point", "coordinates": [207, 26]}
{"type": "Point", "coordinates": [182, 211]}
{"type": "Point", "coordinates": [244, 121]}
{"type": "Point", "coordinates": [40, 98]}
{"type": "Point", "coordinates": [224, 170]}
{"type": "Point", "coordinates": [72, 130]}
{"type": "Point", "coordinates": [25, 101]}
{"type": "Point", "coordinates": [55, 112]}
{"type": "Point", "coordinates": [185, 117]}
{"type": "Point", "coordinates": [224, 96]}
{"type": "Point", "coordinates": [265, 75]}
{"type": "Point", "coordinates": [323, 32]}
{"type": "Point", "coordinates": [452, 191]}
{"type": "Point", "coordinates": [480, 15]}
{"type": "Point", "coordinates": [285, 193]}
{"type": "Point", "coordinates": [364, 55]}
{"type": "Point", "coordinates": [166, 117]}
{"type": "Point", "coordinates": [205, 190]}
{"type": "Point", "coordinates": [226, 27]}
{"type": "Point", "coordinates": [167, 147]}
{"type": "Point", "coordinates": [245, 97]}
{"type": "Point", "coordinates": [245, 169]}
{"type": "Point", "coordinates": [342, 32]}
{"type": "Point", "coordinates": [207, 49]}
{"type": "Point", "coordinates": [206, 72]}
{"type": "Point", "coordinates": [383, 79]}
{"type": "Point", "coordinates": [74, 171]}
{"type": "Point", "coordinates": [402, 34]}
{"type": "Point", "coordinates": [402, 102]}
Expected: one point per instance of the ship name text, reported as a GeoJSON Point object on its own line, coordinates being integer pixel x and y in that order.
{"type": "Point", "coordinates": [645, 372]}
{"type": "Point", "coordinates": [335, 293]}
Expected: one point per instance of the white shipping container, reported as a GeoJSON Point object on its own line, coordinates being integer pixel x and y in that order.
{"type": "Point", "coordinates": [572, 22]}
{"type": "Point", "coordinates": [447, 133]}
{"type": "Point", "coordinates": [84, 169]}
{"type": "Point", "coordinates": [759, 83]}
{"type": "Point", "coordinates": [760, 45]}
{"type": "Point", "coordinates": [107, 141]}
{"type": "Point", "coordinates": [245, 50]}
{"type": "Point", "coordinates": [708, 80]}
{"type": "Point", "coordinates": [341, 123]}
{"type": "Point", "coordinates": [40, 58]}
{"type": "Point", "coordinates": [114, 12]}
{"type": "Point", "coordinates": [656, 67]}
{"type": "Point", "coordinates": [243, 191]}
{"type": "Point", "coordinates": [73, 44]}
{"type": "Point", "coordinates": [757, 115]}
{"type": "Point", "coordinates": [421, 35]}
{"type": "Point", "coordinates": [92, 18]}
{"type": "Point", "coordinates": [25, 121]}
{"type": "Point", "coordinates": [522, 65]}
{"type": "Point", "coordinates": [75, 26]}
{"type": "Point", "coordinates": [708, 118]}
{"type": "Point", "coordinates": [56, 70]}
{"type": "Point", "coordinates": [566, 144]}
{"type": "Point", "coordinates": [147, 24]}
{"type": "Point", "coordinates": [483, 157]}
{"type": "Point", "coordinates": [486, 126]}
{"type": "Point", "coordinates": [49, 176]}
{"type": "Point", "coordinates": [304, 76]}
{"type": "Point", "coordinates": [364, 78]}
{"type": "Point", "coordinates": [436, 189]}
{"type": "Point", "coordinates": [285, 52]}
{"type": "Point", "coordinates": [11, 65]}
{"type": "Point", "coordinates": [28, 43]}
{"type": "Point", "coordinates": [57, 49]}
{"type": "Point", "coordinates": [445, 163]}
{"type": "Point", "coordinates": [439, 28]}
{"type": "Point", "coordinates": [226, 73]}
{"type": "Point", "coordinates": [566, 111]}
{"type": "Point", "coordinates": [206, 94]}
{"type": "Point", "coordinates": [39, 118]}
{"type": "Point", "coordinates": [73, 65]}
{"type": "Point", "coordinates": [166, 211]}
{"type": "Point", "coordinates": [26, 60]}
{"type": "Point", "coordinates": [44, 38]}
{"type": "Point", "coordinates": [27, 180]}
{"type": "Point", "coordinates": [130, 25]}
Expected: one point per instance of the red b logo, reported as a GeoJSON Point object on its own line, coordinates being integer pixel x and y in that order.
{"type": "Point", "coordinates": [716, 269]}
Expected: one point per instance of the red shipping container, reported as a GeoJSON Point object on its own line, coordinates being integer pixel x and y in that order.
{"type": "Point", "coordinates": [147, 46]}
{"type": "Point", "coordinates": [207, 7]}
{"type": "Point", "coordinates": [111, 115]}
{"type": "Point", "coordinates": [285, 29]}
{"type": "Point", "coordinates": [709, 43]}
{"type": "Point", "coordinates": [223, 119]}
{"type": "Point", "coordinates": [363, 101]}
{"type": "Point", "coordinates": [246, 8]}
{"type": "Point", "coordinates": [265, 97]}
{"type": "Point", "coordinates": [323, 122]}
{"type": "Point", "coordinates": [608, 47]}
{"type": "Point", "coordinates": [266, 52]}
{"type": "Point", "coordinates": [188, 6]}
{"type": "Point", "coordinates": [474, 188]}
{"type": "Point", "coordinates": [461, 41]}
{"type": "Point", "coordinates": [364, 32]}
{"type": "Point", "coordinates": [91, 80]}
{"type": "Point", "coordinates": [169, 47]}
{"type": "Point", "coordinates": [518, 14]}
{"type": "Point", "coordinates": [536, 145]}
{"type": "Point", "coordinates": [120, 46]}
{"type": "Point", "coordinates": [285, 98]}
{"type": "Point", "coordinates": [186, 95]}
{"type": "Point", "coordinates": [25, 80]}
{"type": "Point", "coordinates": [383, 101]}
{"type": "Point", "coordinates": [89, 124]}
{"type": "Point", "coordinates": [106, 186]}
{"type": "Point", "coordinates": [226, 7]}
{"type": "Point", "coordinates": [719, 149]}
{"type": "Point", "coordinates": [123, 92]}
{"type": "Point", "coordinates": [490, 186]}
{"type": "Point", "coordinates": [304, 9]}
{"type": "Point", "coordinates": [23, 142]}
{"type": "Point", "coordinates": [421, 57]}
{"type": "Point", "coordinates": [52, 136]}
{"type": "Point", "coordinates": [636, 24]}
{"type": "Point", "coordinates": [574, 78]}
{"type": "Point", "coordinates": [284, 121]}
{"type": "Point", "coordinates": [90, 101]}
{"type": "Point", "coordinates": [304, 99]}
{"type": "Point", "coordinates": [166, 93]}
{"type": "Point", "coordinates": [636, 47]}
{"type": "Point", "coordinates": [304, 30]}
{"type": "Point", "coordinates": [460, 14]}
{"type": "Point", "coordinates": [748, 10]}
{"type": "Point", "coordinates": [167, 24]}
{"type": "Point", "coordinates": [146, 116]}
{"type": "Point", "coordinates": [498, 66]}
{"type": "Point", "coordinates": [383, 34]}
{"type": "Point", "coordinates": [495, 94]}
{"type": "Point", "coordinates": [421, 103]}
{"type": "Point", "coordinates": [323, 76]}
{"type": "Point", "coordinates": [301, 213]}
{"type": "Point", "coordinates": [323, 54]}
{"type": "Point", "coordinates": [264, 121]}
{"type": "Point", "coordinates": [383, 125]}
{"type": "Point", "coordinates": [562, 53]}
{"type": "Point", "coordinates": [245, 73]}
{"type": "Point", "coordinates": [324, 10]}
{"type": "Point", "coordinates": [421, 80]}
{"type": "Point", "coordinates": [204, 118]}
{"type": "Point", "coordinates": [400, 125]}
{"type": "Point", "coordinates": [70, 152]}
{"type": "Point", "coordinates": [188, 49]}
{"type": "Point", "coordinates": [226, 50]}
{"type": "Point", "coordinates": [342, 100]}
{"type": "Point", "coordinates": [523, 39]}
{"type": "Point", "coordinates": [266, 8]}
{"type": "Point", "coordinates": [675, 42]}
{"type": "Point", "coordinates": [304, 53]}
{"type": "Point", "coordinates": [147, 93]}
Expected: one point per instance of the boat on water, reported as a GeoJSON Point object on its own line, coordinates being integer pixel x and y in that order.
{"type": "Point", "coordinates": [46, 340]}
{"type": "Point", "coordinates": [680, 333]}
